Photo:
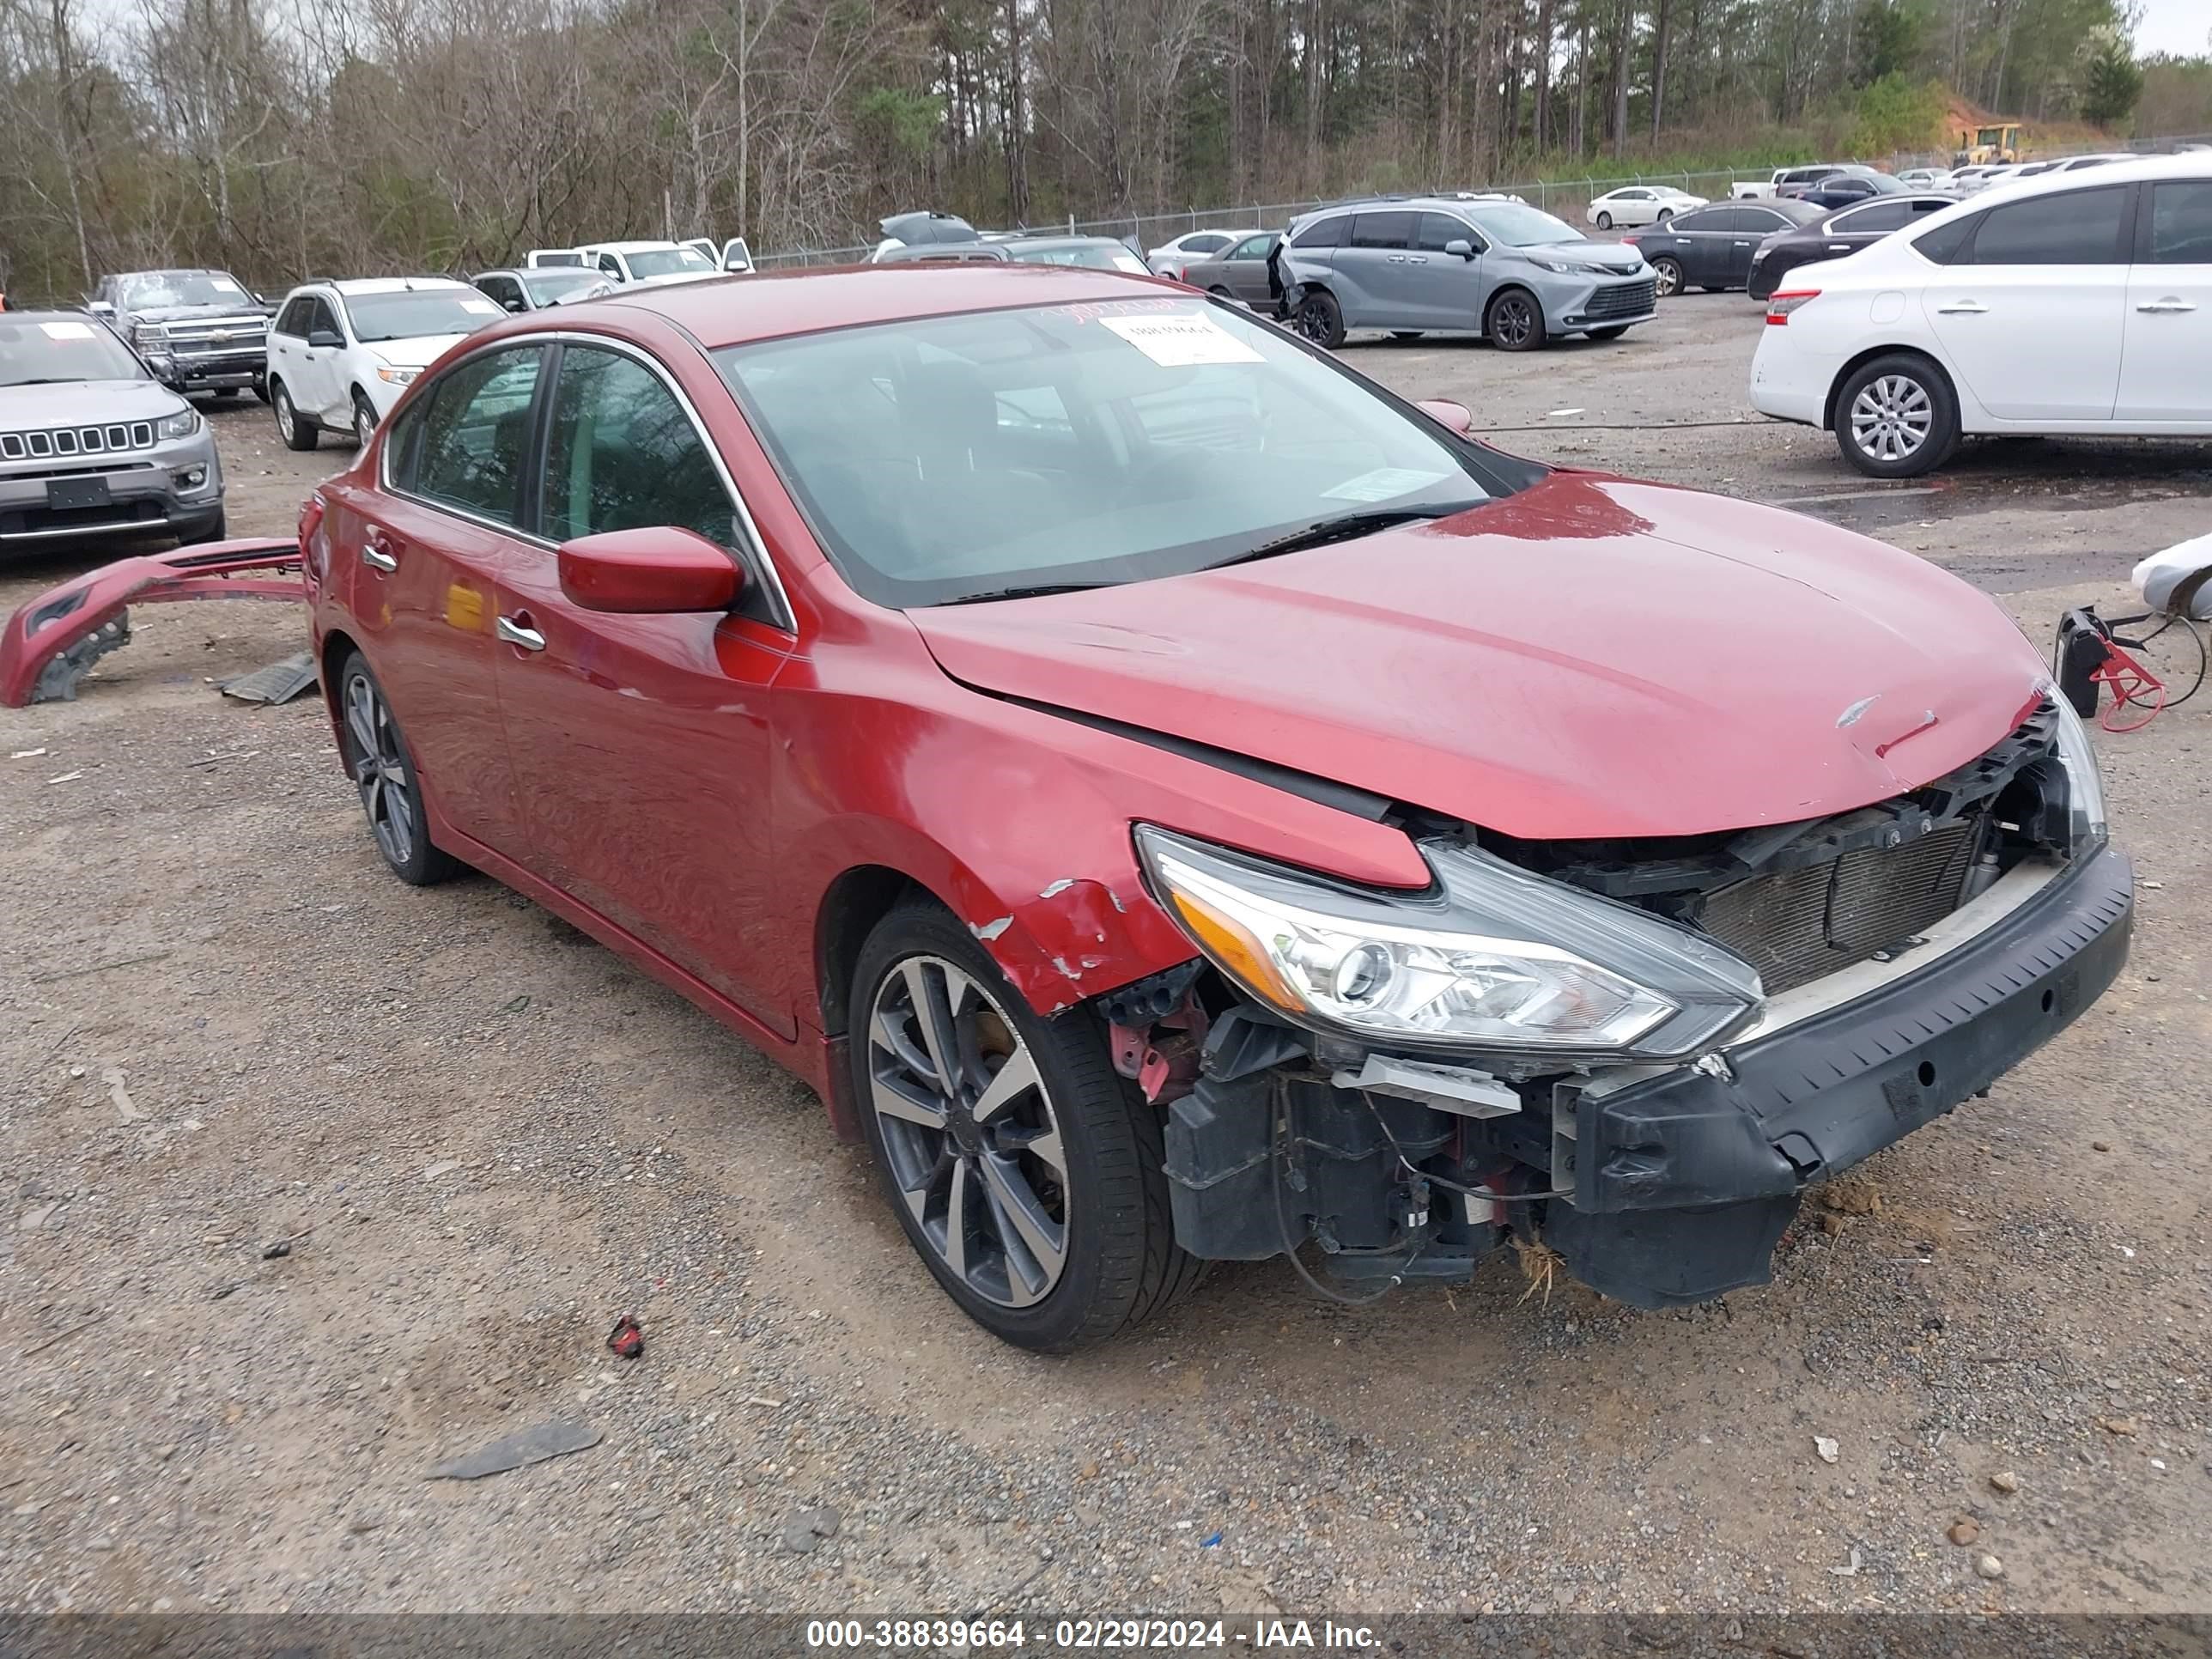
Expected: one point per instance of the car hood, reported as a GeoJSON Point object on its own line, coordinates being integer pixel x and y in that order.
{"type": "Point", "coordinates": [1618, 260]}
{"type": "Point", "coordinates": [419, 351]}
{"type": "Point", "coordinates": [241, 307]}
{"type": "Point", "coordinates": [1589, 658]}
{"type": "Point", "coordinates": [85, 402]}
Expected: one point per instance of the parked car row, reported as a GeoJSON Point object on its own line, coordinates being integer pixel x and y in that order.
{"type": "Point", "coordinates": [2075, 302]}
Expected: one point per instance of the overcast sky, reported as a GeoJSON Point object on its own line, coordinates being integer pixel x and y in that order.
{"type": "Point", "coordinates": [2176, 26]}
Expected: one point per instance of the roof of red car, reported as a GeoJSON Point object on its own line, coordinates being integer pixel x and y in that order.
{"type": "Point", "coordinates": [737, 309]}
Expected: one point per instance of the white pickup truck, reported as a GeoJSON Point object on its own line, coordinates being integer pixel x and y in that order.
{"type": "Point", "coordinates": [1759, 189]}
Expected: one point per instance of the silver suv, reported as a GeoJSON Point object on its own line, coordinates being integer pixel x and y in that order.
{"type": "Point", "coordinates": [92, 447]}
{"type": "Point", "coordinates": [1500, 269]}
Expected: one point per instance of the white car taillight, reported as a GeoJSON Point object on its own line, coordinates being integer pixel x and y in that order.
{"type": "Point", "coordinates": [1779, 308]}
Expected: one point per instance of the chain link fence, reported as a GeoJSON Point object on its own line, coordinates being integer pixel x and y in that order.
{"type": "Point", "coordinates": [1567, 199]}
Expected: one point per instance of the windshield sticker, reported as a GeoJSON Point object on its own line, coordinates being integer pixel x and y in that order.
{"type": "Point", "coordinates": [481, 305]}
{"type": "Point", "coordinates": [224, 285]}
{"type": "Point", "coordinates": [66, 330]}
{"type": "Point", "coordinates": [1384, 484]}
{"type": "Point", "coordinates": [1182, 341]}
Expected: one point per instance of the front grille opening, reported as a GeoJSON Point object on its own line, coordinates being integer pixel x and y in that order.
{"type": "Point", "coordinates": [1800, 901]}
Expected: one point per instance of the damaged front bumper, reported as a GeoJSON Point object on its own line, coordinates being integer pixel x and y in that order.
{"type": "Point", "coordinates": [1658, 1185]}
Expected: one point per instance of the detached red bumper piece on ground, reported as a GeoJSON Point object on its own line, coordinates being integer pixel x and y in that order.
{"type": "Point", "coordinates": [50, 641]}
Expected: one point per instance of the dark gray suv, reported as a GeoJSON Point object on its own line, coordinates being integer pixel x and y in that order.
{"type": "Point", "coordinates": [1495, 267]}
{"type": "Point", "coordinates": [92, 447]}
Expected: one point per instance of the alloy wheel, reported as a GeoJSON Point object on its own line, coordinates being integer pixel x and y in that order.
{"type": "Point", "coordinates": [1312, 323]}
{"type": "Point", "coordinates": [1512, 321]}
{"type": "Point", "coordinates": [968, 1131]}
{"type": "Point", "coordinates": [280, 404]}
{"type": "Point", "coordinates": [379, 770]}
{"type": "Point", "coordinates": [1666, 275]}
{"type": "Point", "coordinates": [1892, 417]}
{"type": "Point", "coordinates": [364, 424]}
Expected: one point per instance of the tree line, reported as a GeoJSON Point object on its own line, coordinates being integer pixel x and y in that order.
{"type": "Point", "coordinates": [283, 138]}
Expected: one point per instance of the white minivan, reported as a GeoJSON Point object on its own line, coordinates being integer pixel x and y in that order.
{"type": "Point", "coordinates": [2075, 303]}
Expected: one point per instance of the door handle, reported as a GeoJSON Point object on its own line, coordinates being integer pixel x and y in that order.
{"type": "Point", "coordinates": [515, 630]}
{"type": "Point", "coordinates": [1743, 244]}
{"type": "Point", "coordinates": [1962, 307]}
{"type": "Point", "coordinates": [377, 553]}
{"type": "Point", "coordinates": [2168, 304]}
{"type": "Point", "coordinates": [1839, 247]}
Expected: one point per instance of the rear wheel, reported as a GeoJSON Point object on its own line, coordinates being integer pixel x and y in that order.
{"type": "Point", "coordinates": [1896, 418]}
{"type": "Point", "coordinates": [383, 771]}
{"type": "Point", "coordinates": [1220, 293]}
{"type": "Point", "coordinates": [1319, 319]}
{"type": "Point", "coordinates": [1025, 1172]}
{"type": "Point", "coordinates": [296, 433]}
{"type": "Point", "coordinates": [1667, 274]}
{"type": "Point", "coordinates": [1515, 322]}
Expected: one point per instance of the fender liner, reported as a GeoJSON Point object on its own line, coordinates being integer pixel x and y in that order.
{"type": "Point", "coordinates": [49, 642]}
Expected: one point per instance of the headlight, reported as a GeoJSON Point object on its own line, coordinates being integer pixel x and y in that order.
{"type": "Point", "coordinates": [182, 424]}
{"type": "Point", "coordinates": [2085, 785]}
{"type": "Point", "coordinates": [1489, 958]}
{"type": "Point", "coordinates": [150, 337]}
{"type": "Point", "coordinates": [1559, 265]}
{"type": "Point", "coordinates": [397, 376]}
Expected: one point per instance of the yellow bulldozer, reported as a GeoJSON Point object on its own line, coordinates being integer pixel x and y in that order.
{"type": "Point", "coordinates": [1997, 141]}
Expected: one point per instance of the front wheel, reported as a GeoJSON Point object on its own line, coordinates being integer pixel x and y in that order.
{"type": "Point", "coordinates": [1667, 276]}
{"type": "Point", "coordinates": [1319, 319]}
{"type": "Point", "coordinates": [364, 419]}
{"type": "Point", "coordinates": [1605, 221]}
{"type": "Point", "coordinates": [1665, 213]}
{"type": "Point", "coordinates": [1896, 418]}
{"type": "Point", "coordinates": [1025, 1172]}
{"type": "Point", "coordinates": [1515, 322]}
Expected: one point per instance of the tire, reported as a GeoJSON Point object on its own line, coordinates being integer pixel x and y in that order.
{"type": "Point", "coordinates": [1604, 221]}
{"type": "Point", "coordinates": [1515, 321]}
{"type": "Point", "coordinates": [364, 419]}
{"type": "Point", "coordinates": [261, 389]}
{"type": "Point", "coordinates": [1665, 213]}
{"type": "Point", "coordinates": [213, 530]}
{"type": "Point", "coordinates": [1220, 293]}
{"type": "Point", "coordinates": [1608, 333]}
{"type": "Point", "coordinates": [1895, 417]}
{"type": "Point", "coordinates": [221, 394]}
{"type": "Point", "coordinates": [1667, 276]}
{"type": "Point", "coordinates": [390, 794]}
{"type": "Point", "coordinates": [1319, 319]}
{"type": "Point", "coordinates": [296, 433]}
{"type": "Point", "coordinates": [1118, 1263]}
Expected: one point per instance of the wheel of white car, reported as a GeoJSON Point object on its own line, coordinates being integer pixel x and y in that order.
{"type": "Point", "coordinates": [1896, 417]}
{"type": "Point", "coordinates": [1604, 220]}
{"type": "Point", "coordinates": [296, 433]}
{"type": "Point", "coordinates": [1665, 213]}
{"type": "Point", "coordinates": [364, 419]}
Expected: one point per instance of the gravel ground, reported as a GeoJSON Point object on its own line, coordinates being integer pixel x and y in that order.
{"type": "Point", "coordinates": [483, 1138]}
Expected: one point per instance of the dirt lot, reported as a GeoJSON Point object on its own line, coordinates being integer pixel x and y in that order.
{"type": "Point", "coordinates": [502, 1137]}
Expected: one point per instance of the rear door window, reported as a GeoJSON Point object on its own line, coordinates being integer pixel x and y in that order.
{"type": "Point", "coordinates": [1389, 230]}
{"type": "Point", "coordinates": [2058, 227]}
{"type": "Point", "coordinates": [1874, 218]}
{"type": "Point", "coordinates": [475, 436]}
{"type": "Point", "coordinates": [1708, 219]}
{"type": "Point", "coordinates": [2181, 223]}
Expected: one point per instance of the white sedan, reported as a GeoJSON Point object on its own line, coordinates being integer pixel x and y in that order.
{"type": "Point", "coordinates": [2076, 303]}
{"type": "Point", "coordinates": [1171, 257]}
{"type": "Point", "coordinates": [1640, 204]}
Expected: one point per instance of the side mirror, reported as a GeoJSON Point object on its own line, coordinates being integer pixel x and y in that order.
{"type": "Point", "coordinates": [660, 570]}
{"type": "Point", "coordinates": [102, 309]}
{"type": "Point", "coordinates": [1462, 246]}
{"type": "Point", "coordinates": [514, 304]}
{"type": "Point", "coordinates": [326, 339]}
{"type": "Point", "coordinates": [1445, 413]}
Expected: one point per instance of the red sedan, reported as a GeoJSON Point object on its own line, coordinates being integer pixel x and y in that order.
{"type": "Point", "coordinates": [1180, 802]}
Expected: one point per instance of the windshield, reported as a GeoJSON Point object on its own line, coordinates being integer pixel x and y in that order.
{"type": "Point", "coordinates": [1094, 256]}
{"type": "Point", "coordinates": [953, 458]}
{"type": "Point", "coordinates": [669, 262]}
{"type": "Point", "coordinates": [53, 349]}
{"type": "Point", "coordinates": [408, 316]}
{"type": "Point", "coordinates": [547, 286]}
{"type": "Point", "coordinates": [1519, 225]}
{"type": "Point", "coordinates": [153, 290]}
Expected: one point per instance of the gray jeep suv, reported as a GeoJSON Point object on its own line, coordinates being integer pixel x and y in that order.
{"type": "Point", "coordinates": [1497, 268]}
{"type": "Point", "coordinates": [199, 330]}
{"type": "Point", "coordinates": [92, 446]}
